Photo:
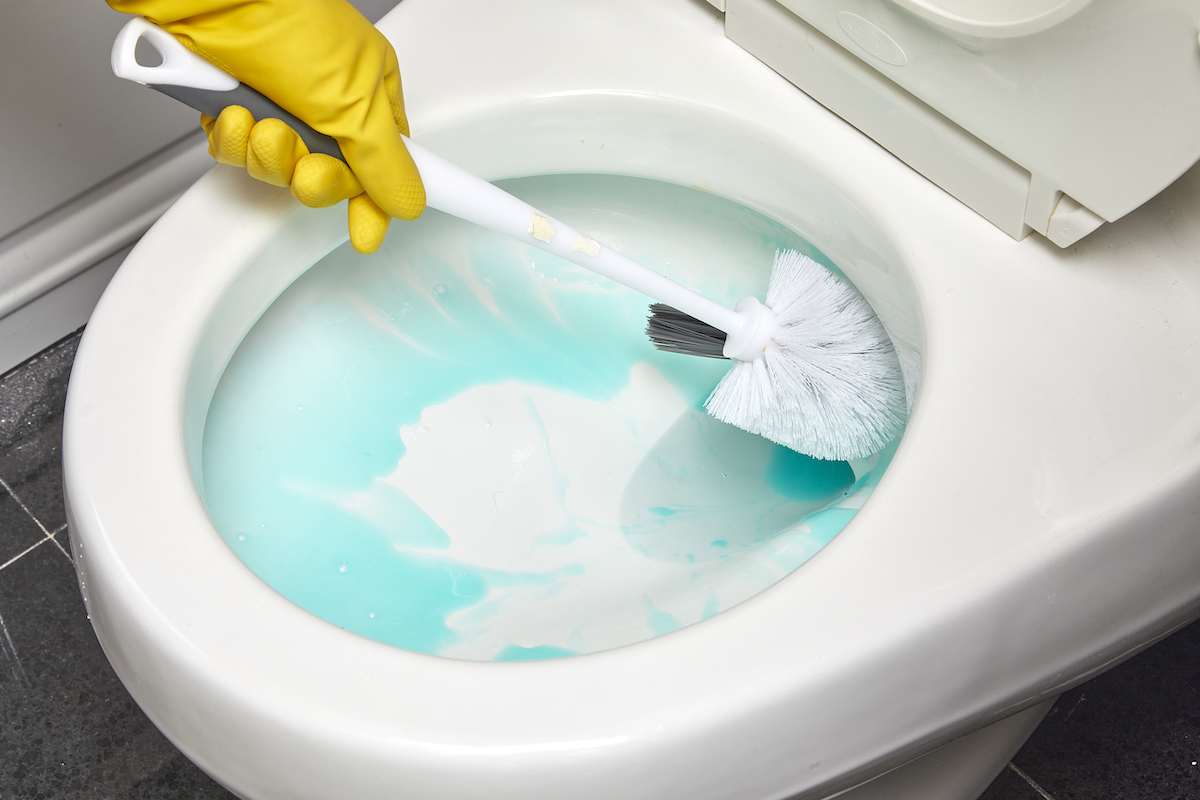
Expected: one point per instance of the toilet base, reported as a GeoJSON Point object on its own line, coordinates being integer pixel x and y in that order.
{"type": "Point", "coordinates": [959, 770]}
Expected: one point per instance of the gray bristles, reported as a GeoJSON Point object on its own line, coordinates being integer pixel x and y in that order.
{"type": "Point", "coordinates": [830, 385]}
{"type": "Point", "coordinates": [676, 332]}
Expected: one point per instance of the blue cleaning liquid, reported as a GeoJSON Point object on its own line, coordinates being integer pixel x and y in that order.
{"type": "Point", "coordinates": [465, 447]}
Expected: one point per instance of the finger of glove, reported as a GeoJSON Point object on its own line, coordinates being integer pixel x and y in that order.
{"type": "Point", "coordinates": [387, 172]}
{"type": "Point", "coordinates": [273, 151]}
{"type": "Point", "coordinates": [394, 88]}
{"type": "Point", "coordinates": [229, 136]}
{"type": "Point", "coordinates": [375, 150]}
{"type": "Point", "coordinates": [368, 223]}
{"type": "Point", "coordinates": [319, 181]}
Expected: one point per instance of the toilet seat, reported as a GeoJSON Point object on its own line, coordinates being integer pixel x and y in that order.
{"type": "Point", "coordinates": [1032, 530]}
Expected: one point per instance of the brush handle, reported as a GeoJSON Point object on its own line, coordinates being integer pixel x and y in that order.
{"type": "Point", "coordinates": [190, 79]}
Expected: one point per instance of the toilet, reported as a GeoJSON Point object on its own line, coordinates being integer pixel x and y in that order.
{"type": "Point", "coordinates": [1035, 525]}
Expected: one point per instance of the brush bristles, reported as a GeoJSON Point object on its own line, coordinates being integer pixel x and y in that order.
{"type": "Point", "coordinates": [676, 332]}
{"type": "Point", "coordinates": [830, 386]}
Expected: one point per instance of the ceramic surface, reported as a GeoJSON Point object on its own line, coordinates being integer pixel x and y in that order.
{"type": "Point", "coordinates": [1036, 525]}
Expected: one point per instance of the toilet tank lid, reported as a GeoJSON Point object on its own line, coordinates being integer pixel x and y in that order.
{"type": "Point", "coordinates": [1097, 99]}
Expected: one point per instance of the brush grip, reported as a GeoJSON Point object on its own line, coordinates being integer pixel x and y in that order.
{"type": "Point", "coordinates": [212, 103]}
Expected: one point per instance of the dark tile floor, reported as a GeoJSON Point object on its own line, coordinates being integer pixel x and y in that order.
{"type": "Point", "coordinates": [69, 730]}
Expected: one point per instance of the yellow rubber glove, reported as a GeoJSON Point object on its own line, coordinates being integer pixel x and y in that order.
{"type": "Point", "coordinates": [324, 62]}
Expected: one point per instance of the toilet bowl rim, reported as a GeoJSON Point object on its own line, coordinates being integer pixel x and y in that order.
{"type": "Point", "coordinates": [270, 208]}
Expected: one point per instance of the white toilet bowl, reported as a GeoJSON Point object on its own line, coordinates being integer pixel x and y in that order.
{"type": "Point", "coordinates": [1036, 526]}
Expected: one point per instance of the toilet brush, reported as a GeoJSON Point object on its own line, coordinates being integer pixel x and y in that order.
{"type": "Point", "coordinates": [815, 368]}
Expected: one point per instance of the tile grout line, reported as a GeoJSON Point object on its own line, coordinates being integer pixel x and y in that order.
{"type": "Point", "coordinates": [33, 546]}
{"type": "Point", "coordinates": [24, 507]}
{"type": "Point", "coordinates": [47, 533]}
{"type": "Point", "coordinates": [53, 536]}
{"type": "Point", "coordinates": [18, 669]}
{"type": "Point", "coordinates": [1030, 781]}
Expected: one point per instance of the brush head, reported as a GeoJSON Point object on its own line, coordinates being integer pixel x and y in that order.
{"type": "Point", "coordinates": [829, 385]}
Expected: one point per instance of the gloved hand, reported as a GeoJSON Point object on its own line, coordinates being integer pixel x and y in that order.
{"type": "Point", "coordinates": [324, 62]}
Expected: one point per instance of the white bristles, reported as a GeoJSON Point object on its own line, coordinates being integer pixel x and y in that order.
{"type": "Point", "coordinates": [830, 385]}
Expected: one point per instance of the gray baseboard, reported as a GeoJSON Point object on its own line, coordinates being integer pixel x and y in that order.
{"type": "Point", "coordinates": [53, 271]}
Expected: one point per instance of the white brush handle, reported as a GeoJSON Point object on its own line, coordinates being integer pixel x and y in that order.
{"type": "Point", "coordinates": [448, 188]}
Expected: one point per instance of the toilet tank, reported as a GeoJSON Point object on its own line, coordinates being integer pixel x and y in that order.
{"type": "Point", "coordinates": [1045, 115]}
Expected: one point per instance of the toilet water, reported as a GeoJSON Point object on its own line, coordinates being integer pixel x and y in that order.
{"type": "Point", "coordinates": [466, 447]}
